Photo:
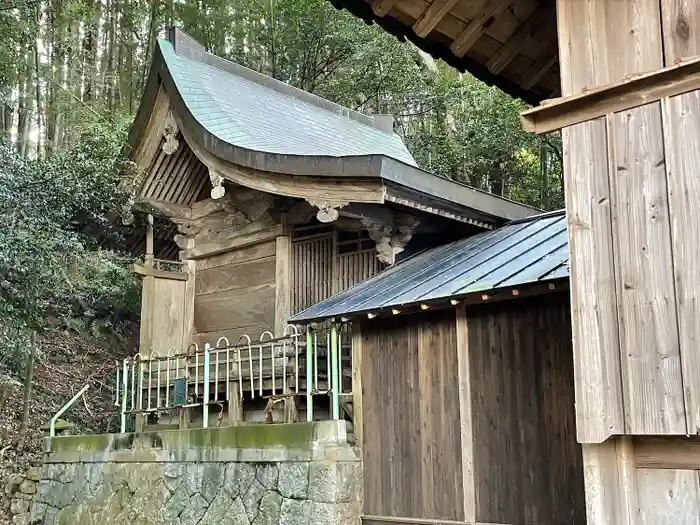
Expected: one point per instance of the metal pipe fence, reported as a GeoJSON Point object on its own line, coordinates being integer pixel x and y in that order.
{"type": "Point", "coordinates": [311, 363]}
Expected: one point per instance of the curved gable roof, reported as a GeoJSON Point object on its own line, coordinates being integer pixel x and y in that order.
{"type": "Point", "coordinates": [250, 120]}
{"type": "Point", "coordinates": [255, 112]}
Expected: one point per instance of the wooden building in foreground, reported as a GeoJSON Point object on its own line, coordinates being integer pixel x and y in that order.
{"type": "Point", "coordinates": [273, 199]}
{"type": "Point", "coordinates": [463, 373]}
{"type": "Point", "coordinates": [628, 74]}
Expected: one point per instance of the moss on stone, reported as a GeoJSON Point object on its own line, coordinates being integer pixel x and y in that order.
{"type": "Point", "coordinates": [251, 437]}
{"type": "Point", "coordinates": [83, 443]}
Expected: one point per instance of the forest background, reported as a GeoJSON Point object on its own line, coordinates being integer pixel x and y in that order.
{"type": "Point", "coordinates": [71, 77]}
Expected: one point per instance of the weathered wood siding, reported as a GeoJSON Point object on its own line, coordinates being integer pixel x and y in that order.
{"type": "Point", "coordinates": [468, 415]}
{"type": "Point", "coordinates": [411, 441]}
{"type": "Point", "coordinates": [526, 463]}
{"type": "Point", "coordinates": [235, 294]}
{"type": "Point", "coordinates": [633, 202]}
{"type": "Point", "coordinates": [643, 480]}
{"type": "Point", "coordinates": [163, 306]}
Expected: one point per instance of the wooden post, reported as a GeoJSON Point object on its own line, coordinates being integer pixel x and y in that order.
{"type": "Point", "coordinates": [235, 404]}
{"type": "Point", "coordinates": [148, 302]}
{"type": "Point", "coordinates": [357, 383]}
{"type": "Point", "coordinates": [465, 414]}
{"type": "Point", "coordinates": [283, 283]}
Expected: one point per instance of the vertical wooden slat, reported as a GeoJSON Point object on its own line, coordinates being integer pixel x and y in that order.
{"type": "Point", "coordinates": [611, 483]}
{"type": "Point", "coordinates": [357, 384]}
{"type": "Point", "coordinates": [651, 365]}
{"type": "Point", "coordinates": [681, 121]}
{"type": "Point", "coordinates": [668, 496]}
{"type": "Point", "coordinates": [282, 283]}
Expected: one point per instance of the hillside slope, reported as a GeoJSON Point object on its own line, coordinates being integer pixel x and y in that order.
{"type": "Point", "coordinates": [66, 362]}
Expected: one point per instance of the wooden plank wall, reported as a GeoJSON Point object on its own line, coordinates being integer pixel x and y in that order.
{"type": "Point", "coordinates": [410, 404]}
{"type": "Point", "coordinates": [235, 294]}
{"type": "Point", "coordinates": [163, 316]}
{"type": "Point", "coordinates": [527, 465]}
{"type": "Point", "coordinates": [643, 480]}
{"type": "Point", "coordinates": [633, 203]}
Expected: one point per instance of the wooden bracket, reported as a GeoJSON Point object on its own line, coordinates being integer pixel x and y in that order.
{"type": "Point", "coordinates": [632, 92]}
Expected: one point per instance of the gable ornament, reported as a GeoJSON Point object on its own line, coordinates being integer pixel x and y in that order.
{"type": "Point", "coordinates": [327, 209]}
{"type": "Point", "coordinates": [217, 184]}
{"type": "Point", "coordinates": [170, 131]}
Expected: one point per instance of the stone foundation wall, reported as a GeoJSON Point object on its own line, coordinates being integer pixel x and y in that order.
{"type": "Point", "coordinates": [19, 491]}
{"type": "Point", "coordinates": [253, 475]}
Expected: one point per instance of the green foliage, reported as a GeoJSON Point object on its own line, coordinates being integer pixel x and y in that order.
{"type": "Point", "coordinates": [49, 268]}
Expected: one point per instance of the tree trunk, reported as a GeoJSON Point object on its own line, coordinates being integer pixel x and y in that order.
{"type": "Point", "coordinates": [90, 51]}
{"type": "Point", "coordinates": [37, 87]}
{"type": "Point", "coordinates": [26, 106]}
{"type": "Point", "coordinates": [28, 377]}
{"type": "Point", "coordinates": [152, 30]}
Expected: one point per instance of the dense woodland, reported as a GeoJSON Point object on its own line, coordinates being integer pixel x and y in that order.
{"type": "Point", "coordinates": [71, 77]}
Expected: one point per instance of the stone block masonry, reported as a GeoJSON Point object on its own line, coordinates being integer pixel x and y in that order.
{"type": "Point", "coordinates": [251, 475]}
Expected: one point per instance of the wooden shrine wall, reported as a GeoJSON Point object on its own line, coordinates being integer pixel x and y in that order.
{"type": "Point", "coordinates": [411, 420]}
{"type": "Point", "coordinates": [468, 415]}
{"type": "Point", "coordinates": [326, 261]}
{"type": "Point", "coordinates": [526, 465]}
{"type": "Point", "coordinates": [633, 204]}
{"type": "Point", "coordinates": [235, 294]}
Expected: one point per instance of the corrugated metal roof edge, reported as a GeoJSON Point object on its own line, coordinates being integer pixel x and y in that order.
{"type": "Point", "coordinates": [545, 280]}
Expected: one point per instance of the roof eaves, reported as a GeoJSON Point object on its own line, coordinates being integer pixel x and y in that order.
{"type": "Point", "coordinates": [438, 49]}
{"type": "Point", "coordinates": [491, 206]}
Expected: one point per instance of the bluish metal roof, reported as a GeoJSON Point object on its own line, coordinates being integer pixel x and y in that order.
{"type": "Point", "coordinates": [257, 113]}
{"type": "Point", "coordinates": [522, 252]}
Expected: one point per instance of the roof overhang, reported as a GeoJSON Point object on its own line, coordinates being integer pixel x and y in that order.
{"type": "Point", "coordinates": [525, 46]}
{"type": "Point", "coordinates": [395, 181]}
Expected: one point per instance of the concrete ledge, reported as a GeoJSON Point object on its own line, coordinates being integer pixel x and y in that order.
{"type": "Point", "coordinates": [316, 441]}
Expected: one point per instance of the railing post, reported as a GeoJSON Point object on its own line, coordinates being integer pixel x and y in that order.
{"type": "Point", "coordinates": [125, 384]}
{"type": "Point", "coordinates": [335, 408]}
{"type": "Point", "coordinates": [309, 374]}
{"type": "Point", "coordinates": [52, 423]}
{"type": "Point", "coordinates": [205, 406]}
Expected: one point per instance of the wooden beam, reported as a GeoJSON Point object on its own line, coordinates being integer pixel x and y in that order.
{"type": "Point", "coordinates": [543, 16]}
{"type": "Point", "coordinates": [161, 274]}
{"type": "Point", "coordinates": [537, 70]}
{"type": "Point", "coordinates": [632, 92]}
{"type": "Point", "coordinates": [431, 17]}
{"type": "Point", "coordinates": [382, 7]}
{"type": "Point", "coordinates": [162, 208]}
{"type": "Point", "coordinates": [677, 452]}
{"type": "Point", "coordinates": [213, 245]}
{"type": "Point", "coordinates": [475, 28]}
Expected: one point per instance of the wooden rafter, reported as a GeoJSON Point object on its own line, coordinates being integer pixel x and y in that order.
{"type": "Point", "coordinates": [537, 70]}
{"type": "Point", "coordinates": [468, 37]}
{"type": "Point", "coordinates": [431, 16]}
{"type": "Point", "coordinates": [627, 94]}
{"type": "Point", "coordinates": [543, 16]}
{"type": "Point", "coordinates": [382, 7]}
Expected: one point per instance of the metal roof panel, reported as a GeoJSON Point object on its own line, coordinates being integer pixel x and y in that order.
{"type": "Point", "coordinates": [522, 252]}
